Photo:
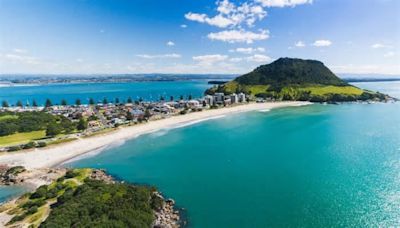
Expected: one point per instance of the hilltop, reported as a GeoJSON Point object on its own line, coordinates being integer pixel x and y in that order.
{"type": "Point", "coordinates": [296, 79]}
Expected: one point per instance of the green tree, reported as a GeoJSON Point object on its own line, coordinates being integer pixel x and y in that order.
{"type": "Point", "coordinates": [129, 101]}
{"type": "Point", "coordinates": [181, 97]}
{"type": "Point", "coordinates": [48, 103]}
{"type": "Point", "coordinates": [52, 130]}
{"type": "Point", "coordinates": [105, 101]}
{"type": "Point", "coordinates": [129, 116]}
{"type": "Point", "coordinates": [147, 114]}
{"type": "Point", "coordinates": [162, 98]}
{"type": "Point", "coordinates": [19, 104]}
{"type": "Point", "coordinates": [5, 104]}
{"type": "Point", "coordinates": [78, 102]}
{"type": "Point", "coordinates": [82, 124]}
{"type": "Point", "coordinates": [63, 102]}
{"type": "Point", "coordinates": [34, 103]}
{"type": "Point", "coordinates": [91, 101]}
{"type": "Point", "coordinates": [190, 97]}
{"type": "Point", "coordinates": [117, 100]}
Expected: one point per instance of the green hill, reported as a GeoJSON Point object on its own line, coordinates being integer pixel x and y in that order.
{"type": "Point", "coordinates": [295, 79]}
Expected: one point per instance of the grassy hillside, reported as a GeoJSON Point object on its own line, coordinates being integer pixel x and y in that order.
{"type": "Point", "coordinates": [295, 79]}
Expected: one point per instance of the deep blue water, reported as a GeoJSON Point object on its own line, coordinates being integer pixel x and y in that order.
{"type": "Point", "coordinates": [84, 91]}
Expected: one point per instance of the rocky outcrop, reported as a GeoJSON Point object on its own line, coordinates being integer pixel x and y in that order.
{"type": "Point", "coordinates": [167, 216]}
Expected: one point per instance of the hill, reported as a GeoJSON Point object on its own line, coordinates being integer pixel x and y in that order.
{"type": "Point", "coordinates": [296, 79]}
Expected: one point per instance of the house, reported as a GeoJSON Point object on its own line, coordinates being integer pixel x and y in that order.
{"type": "Point", "coordinates": [209, 100]}
{"type": "Point", "coordinates": [234, 98]}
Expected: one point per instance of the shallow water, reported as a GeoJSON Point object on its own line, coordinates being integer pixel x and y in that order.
{"type": "Point", "coordinates": [318, 166]}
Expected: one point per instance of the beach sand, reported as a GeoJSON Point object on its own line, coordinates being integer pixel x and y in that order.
{"type": "Point", "coordinates": [56, 155]}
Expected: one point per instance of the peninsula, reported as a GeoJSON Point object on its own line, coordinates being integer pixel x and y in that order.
{"type": "Point", "coordinates": [296, 79]}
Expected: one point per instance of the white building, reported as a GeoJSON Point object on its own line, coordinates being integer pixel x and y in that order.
{"type": "Point", "coordinates": [194, 104]}
{"type": "Point", "coordinates": [219, 98]}
{"type": "Point", "coordinates": [234, 98]}
{"type": "Point", "coordinates": [242, 97]}
{"type": "Point", "coordinates": [209, 100]}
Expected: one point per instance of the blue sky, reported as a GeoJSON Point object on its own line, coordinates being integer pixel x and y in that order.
{"type": "Point", "coordinates": [192, 36]}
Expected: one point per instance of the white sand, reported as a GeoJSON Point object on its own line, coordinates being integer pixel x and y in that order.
{"type": "Point", "coordinates": [52, 156]}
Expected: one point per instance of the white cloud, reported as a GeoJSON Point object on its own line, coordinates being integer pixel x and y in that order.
{"type": "Point", "coordinates": [79, 60]}
{"type": "Point", "coordinates": [259, 58]}
{"type": "Point", "coordinates": [379, 45]}
{"type": "Point", "coordinates": [235, 60]}
{"type": "Point", "coordinates": [170, 43]}
{"type": "Point", "coordinates": [283, 3]}
{"type": "Point", "coordinates": [249, 50]}
{"type": "Point", "coordinates": [239, 36]}
{"type": "Point", "coordinates": [322, 43]}
{"type": "Point", "coordinates": [300, 44]}
{"type": "Point", "coordinates": [164, 56]}
{"type": "Point", "coordinates": [196, 17]}
{"type": "Point", "coordinates": [183, 26]}
{"type": "Point", "coordinates": [230, 15]}
{"type": "Point", "coordinates": [389, 54]}
{"type": "Point", "coordinates": [18, 58]}
{"type": "Point", "coordinates": [209, 59]}
{"type": "Point", "coordinates": [20, 51]}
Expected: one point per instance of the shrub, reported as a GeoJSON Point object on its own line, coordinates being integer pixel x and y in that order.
{"type": "Point", "coordinates": [14, 148]}
{"type": "Point", "coordinates": [41, 144]}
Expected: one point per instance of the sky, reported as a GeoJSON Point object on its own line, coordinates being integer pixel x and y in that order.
{"type": "Point", "coordinates": [196, 36]}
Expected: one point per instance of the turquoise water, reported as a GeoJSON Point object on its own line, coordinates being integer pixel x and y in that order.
{"type": "Point", "coordinates": [8, 192]}
{"type": "Point", "coordinates": [314, 166]}
{"type": "Point", "coordinates": [85, 91]}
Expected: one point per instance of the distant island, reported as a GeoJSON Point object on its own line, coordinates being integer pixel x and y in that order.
{"type": "Point", "coordinates": [296, 79]}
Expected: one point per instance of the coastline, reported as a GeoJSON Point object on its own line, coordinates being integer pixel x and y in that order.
{"type": "Point", "coordinates": [54, 156]}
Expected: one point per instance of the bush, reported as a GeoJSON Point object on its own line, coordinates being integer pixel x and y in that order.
{"type": "Point", "coordinates": [71, 174]}
{"type": "Point", "coordinates": [40, 192]}
{"type": "Point", "coordinates": [29, 145]}
{"type": "Point", "coordinates": [41, 144]}
{"type": "Point", "coordinates": [14, 148]}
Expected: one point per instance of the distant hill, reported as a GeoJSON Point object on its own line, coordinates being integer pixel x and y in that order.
{"type": "Point", "coordinates": [296, 79]}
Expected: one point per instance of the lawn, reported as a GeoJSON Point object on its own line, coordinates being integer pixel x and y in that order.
{"type": "Point", "coordinates": [323, 90]}
{"type": "Point", "coordinates": [20, 138]}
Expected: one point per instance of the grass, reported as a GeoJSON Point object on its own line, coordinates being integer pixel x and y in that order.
{"type": "Point", "coordinates": [8, 117]}
{"type": "Point", "coordinates": [232, 86]}
{"type": "Point", "coordinates": [323, 90]}
{"type": "Point", "coordinates": [58, 141]}
{"type": "Point", "coordinates": [21, 138]}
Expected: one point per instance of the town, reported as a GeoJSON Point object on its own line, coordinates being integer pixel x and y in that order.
{"type": "Point", "coordinates": [98, 117]}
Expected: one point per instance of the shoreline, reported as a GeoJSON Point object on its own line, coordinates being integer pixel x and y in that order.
{"type": "Point", "coordinates": [62, 153]}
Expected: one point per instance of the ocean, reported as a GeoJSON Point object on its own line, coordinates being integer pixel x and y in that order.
{"type": "Point", "coordinates": [311, 166]}
{"type": "Point", "coordinates": [149, 91]}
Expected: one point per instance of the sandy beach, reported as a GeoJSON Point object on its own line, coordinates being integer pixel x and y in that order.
{"type": "Point", "coordinates": [53, 156]}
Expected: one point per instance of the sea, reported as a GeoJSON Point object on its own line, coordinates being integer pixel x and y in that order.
{"type": "Point", "coordinates": [311, 166]}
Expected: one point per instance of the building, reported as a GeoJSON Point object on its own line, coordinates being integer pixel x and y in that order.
{"type": "Point", "coordinates": [234, 98]}
{"type": "Point", "coordinates": [242, 97]}
{"type": "Point", "coordinates": [219, 98]}
{"type": "Point", "coordinates": [209, 100]}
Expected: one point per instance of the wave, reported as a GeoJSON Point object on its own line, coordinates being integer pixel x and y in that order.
{"type": "Point", "coordinates": [95, 152]}
{"type": "Point", "coordinates": [197, 121]}
{"type": "Point", "coordinates": [264, 110]}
